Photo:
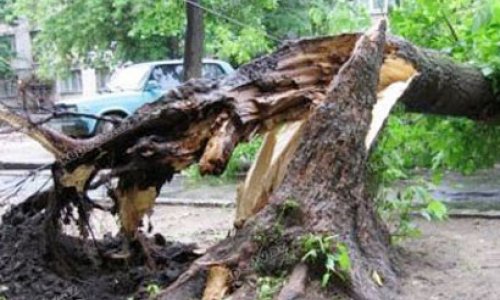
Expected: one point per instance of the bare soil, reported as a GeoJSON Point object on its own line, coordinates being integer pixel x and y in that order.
{"type": "Point", "coordinates": [457, 259]}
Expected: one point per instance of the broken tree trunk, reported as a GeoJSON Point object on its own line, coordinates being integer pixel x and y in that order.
{"type": "Point", "coordinates": [348, 91]}
{"type": "Point", "coordinates": [326, 184]}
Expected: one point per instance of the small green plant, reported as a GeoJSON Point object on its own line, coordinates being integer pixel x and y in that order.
{"type": "Point", "coordinates": [289, 208]}
{"type": "Point", "coordinates": [398, 207]}
{"type": "Point", "coordinates": [268, 286]}
{"type": "Point", "coordinates": [328, 252]}
{"type": "Point", "coordinates": [153, 290]}
{"type": "Point", "coordinates": [435, 210]}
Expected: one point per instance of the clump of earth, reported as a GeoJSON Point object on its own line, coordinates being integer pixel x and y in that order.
{"type": "Point", "coordinates": [36, 263]}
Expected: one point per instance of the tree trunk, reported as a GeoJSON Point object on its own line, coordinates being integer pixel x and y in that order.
{"type": "Point", "coordinates": [326, 183]}
{"type": "Point", "coordinates": [342, 88]}
{"type": "Point", "coordinates": [195, 34]}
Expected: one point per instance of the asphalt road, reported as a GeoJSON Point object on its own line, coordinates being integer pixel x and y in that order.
{"type": "Point", "coordinates": [479, 191]}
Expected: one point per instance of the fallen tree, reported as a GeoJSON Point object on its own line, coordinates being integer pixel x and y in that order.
{"type": "Point", "coordinates": [312, 187]}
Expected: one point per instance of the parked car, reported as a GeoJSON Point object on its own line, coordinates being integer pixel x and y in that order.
{"type": "Point", "coordinates": [128, 89]}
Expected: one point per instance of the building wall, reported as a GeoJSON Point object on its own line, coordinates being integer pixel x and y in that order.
{"type": "Point", "coordinates": [82, 82]}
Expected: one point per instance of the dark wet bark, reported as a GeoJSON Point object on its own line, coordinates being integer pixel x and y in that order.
{"type": "Point", "coordinates": [326, 178]}
{"type": "Point", "coordinates": [195, 35]}
{"type": "Point", "coordinates": [324, 80]}
{"type": "Point", "coordinates": [444, 87]}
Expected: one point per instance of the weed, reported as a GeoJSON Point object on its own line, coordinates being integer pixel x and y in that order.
{"type": "Point", "coordinates": [398, 207]}
{"type": "Point", "coordinates": [268, 286]}
{"type": "Point", "coordinates": [331, 254]}
{"type": "Point", "coordinates": [153, 290]}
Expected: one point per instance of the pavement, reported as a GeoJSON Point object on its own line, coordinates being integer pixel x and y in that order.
{"type": "Point", "coordinates": [19, 156]}
{"type": "Point", "coordinates": [20, 152]}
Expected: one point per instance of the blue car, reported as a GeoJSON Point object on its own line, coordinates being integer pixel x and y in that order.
{"type": "Point", "coordinates": [128, 89]}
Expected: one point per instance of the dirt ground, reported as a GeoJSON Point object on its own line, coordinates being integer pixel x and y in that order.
{"type": "Point", "coordinates": [457, 259]}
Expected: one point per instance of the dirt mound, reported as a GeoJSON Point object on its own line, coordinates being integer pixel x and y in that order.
{"type": "Point", "coordinates": [39, 263]}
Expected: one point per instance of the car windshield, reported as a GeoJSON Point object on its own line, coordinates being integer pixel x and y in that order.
{"type": "Point", "coordinates": [129, 79]}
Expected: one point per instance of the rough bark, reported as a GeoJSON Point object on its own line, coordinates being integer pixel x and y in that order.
{"type": "Point", "coordinates": [326, 82]}
{"type": "Point", "coordinates": [195, 35]}
{"type": "Point", "coordinates": [326, 178]}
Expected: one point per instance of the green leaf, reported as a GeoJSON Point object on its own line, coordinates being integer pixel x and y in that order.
{"type": "Point", "coordinates": [343, 258]}
{"type": "Point", "coordinates": [437, 210]}
{"type": "Point", "coordinates": [325, 279]}
{"type": "Point", "coordinates": [330, 262]}
{"type": "Point", "coordinates": [310, 255]}
{"type": "Point", "coordinates": [487, 71]}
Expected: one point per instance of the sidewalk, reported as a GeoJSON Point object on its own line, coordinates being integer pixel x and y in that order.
{"type": "Point", "coordinates": [20, 152]}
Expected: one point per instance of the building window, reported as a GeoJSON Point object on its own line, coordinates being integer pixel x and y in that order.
{"type": "Point", "coordinates": [71, 84]}
{"type": "Point", "coordinates": [8, 42]}
{"type": "Point", "coordinates": [8, 88]}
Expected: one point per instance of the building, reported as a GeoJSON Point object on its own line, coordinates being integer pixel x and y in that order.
{"type": "Point", "coordinates": [19, 38]}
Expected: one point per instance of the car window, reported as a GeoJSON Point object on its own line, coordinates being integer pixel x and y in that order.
{"type": "Point", "coordinates": [170, 75]}
{"type": "Point", "coordinates": [166, 75]}
{"type": "Point", "coordinates": [129, 78]}
{"type": "Point", "coordinates": [212, 71]}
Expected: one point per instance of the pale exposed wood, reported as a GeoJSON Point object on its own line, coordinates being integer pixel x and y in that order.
{"type": "Point", "coordinates": [203, 120]}
{"type": "Point", "coordinates": [219, 148]}
{"type": "Point", "coordinates": [134, 203]}
{"type": "Point", "coordinates": [78, 178]}
{"type": "Point", "coordinates": [386, 99]}
{"type": "Point", "coordinates": [394, 69]}
{"type": "Point", "coordinates": [267, 170]}
{"type": "Point", "coordinates": [57, 144]}
{"type": "Point", "coordinates": [217, 283]}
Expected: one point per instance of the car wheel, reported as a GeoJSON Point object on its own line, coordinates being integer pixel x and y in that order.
{"type": "Point", "coordinates": [104, 126]}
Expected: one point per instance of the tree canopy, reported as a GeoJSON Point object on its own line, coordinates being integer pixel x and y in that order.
{"type": "Point", "coordinates": [96, 32]}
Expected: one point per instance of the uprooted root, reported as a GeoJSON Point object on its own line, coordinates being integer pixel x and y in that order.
{"type": "Point", "coordinates": [36, 263]}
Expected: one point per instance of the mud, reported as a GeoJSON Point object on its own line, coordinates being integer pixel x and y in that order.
{"type": "Point", "coordinates": [38, 263]}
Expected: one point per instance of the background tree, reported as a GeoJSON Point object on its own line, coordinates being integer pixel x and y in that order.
{"type": "Point", "coordinates": [5, 49]}
{"type": "Point", "coordinates": [195, 38]}
{"type": "Point", "coordinates": [97, 33]}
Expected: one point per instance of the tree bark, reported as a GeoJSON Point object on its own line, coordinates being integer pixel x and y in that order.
{"type": "Point", "coordinates": [334, 85]}
{"type": "Point", "coordinates": [326, 180]}
{"type": "Point", "coordinates": [195, 35]}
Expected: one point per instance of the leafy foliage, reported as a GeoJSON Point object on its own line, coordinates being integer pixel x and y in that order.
{"type": "Point", "coordinates": [268, 287]}
{"type": "Point", "coordinates": [97, 33]}
{"type": "Point", "coordinates": [330, 254]}
{"type": "Point", "coordinates": [6, 10]}
{"type": "Point", "coordinates": [153, 290]}
{"type": "Point", "coordinates": [5, 57]}
{"type": "Point", "coordinates": [468, 31]}
{"type": "Point", "coordinates": [397, 207]}
{"type": "Point", "coordinates": [5, 49]}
